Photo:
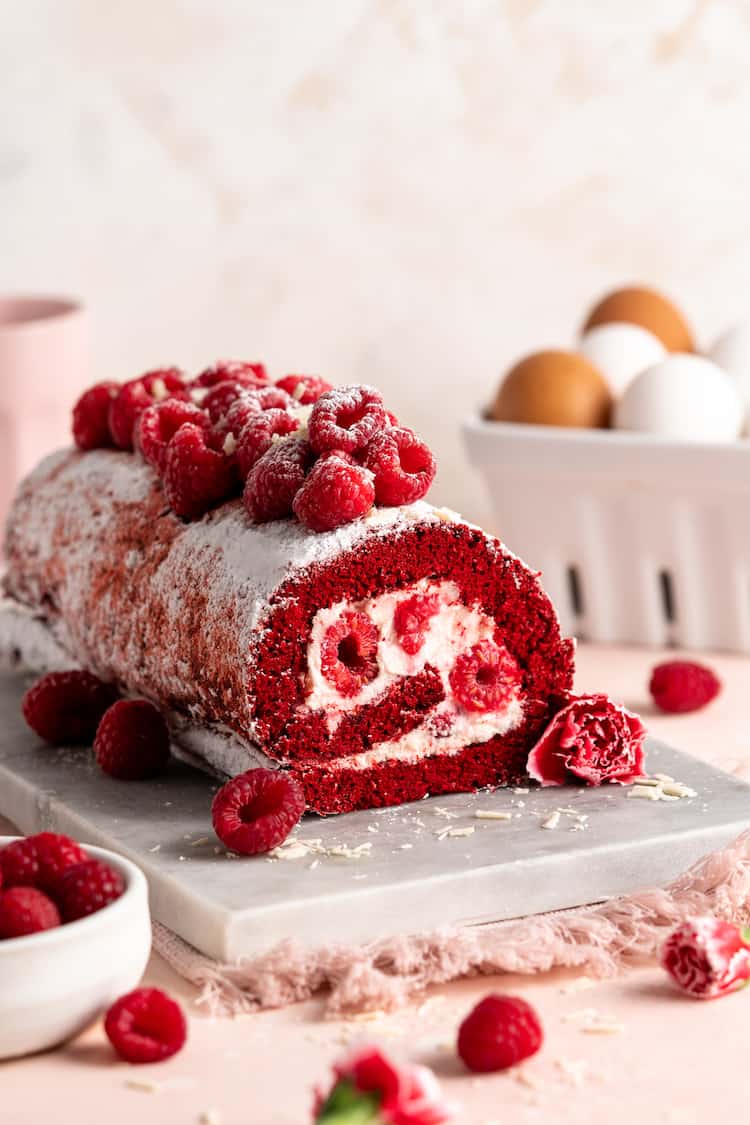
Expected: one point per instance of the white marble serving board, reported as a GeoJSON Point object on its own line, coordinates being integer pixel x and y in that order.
{"type": "Point", "coordinates": [406, 878]}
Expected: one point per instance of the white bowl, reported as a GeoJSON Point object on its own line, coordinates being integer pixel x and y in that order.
{"type": "Point", "coordinates": [55, 983]}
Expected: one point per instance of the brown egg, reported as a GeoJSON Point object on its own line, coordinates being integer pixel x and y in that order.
{"type": "Point", "coordinates": [649, 309]}
{"type": "Point", "coordinates": [553, 388]}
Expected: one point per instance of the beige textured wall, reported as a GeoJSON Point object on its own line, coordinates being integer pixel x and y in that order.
{"type": "Point", "coordinates": [400, 191]}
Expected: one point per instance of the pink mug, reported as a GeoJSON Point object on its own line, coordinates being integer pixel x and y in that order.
{"type": "Point", "coordinates": [44, 366]}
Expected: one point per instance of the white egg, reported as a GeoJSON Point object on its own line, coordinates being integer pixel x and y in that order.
{"type": "Point", "coordinates": [687, 397]}
{"type": "Point", "coordinates": [621, 351]}
{"type": "Point", "coordinates": [732, 352]}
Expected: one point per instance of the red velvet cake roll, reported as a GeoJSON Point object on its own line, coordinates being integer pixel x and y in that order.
{"type": "Point", "coordinates": [404, 654]}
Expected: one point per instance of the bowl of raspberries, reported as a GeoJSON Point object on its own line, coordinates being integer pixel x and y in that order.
{"type": "Point", "coordinates": [75, 933]}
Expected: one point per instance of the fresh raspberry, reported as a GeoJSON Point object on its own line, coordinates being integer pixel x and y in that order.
{"type": "Point", "coordinates": [132, 742]}
{"type": "Point", "coordinates": [412, 618]}
{"type": "Point", "coordinates": [349, 653]}
{"type": "Point", "coordinates": [196, 477]}
{"type": "Point", "coordinates": [257, 810]}
{"type": "Point", "coordinates": [276, 478]}
{"type": "Point", "coordinates": [136, 395]}
{"type": "Point", "coordinates": [158, 424]}
{"type": "Point", "coordinates": [25, 910]}
{"type": "Point", "coordinates": [64, 708]}
{"type": "Point", "coordinates": [336, 492]}
{"type": "Point", "coordinates": [146, 1026]}
{"type": "Point", "coordinates": [304, 389]}
{"type": "Point", "coordinates": [19, 863]}
{"type": "Point", "coordinates": [346, 418]}
{"type": "Point", "coordinates": [219, 398]}
{"type": "Point", "coordinates": [91, 416]}
{"type": "Point", "coordinates": [247, 406]}
{"type": "Point", "coordinates": [87, 888]}
{"type": "Point", "coordinates": [55, 854]}
{"type": "Point", "coordinates": [683, 685]}
{"type": "Point", "coordinates": [499, 1032]}
{"type": "Point", "coordinates": [38, 861]}
{"type": "Point", "coordinates": [250, 374]}
{"type": "Point", "coordinates": [403, 466]}
{"type": "Point", "coordinates": [485, 678]}
{"type": "Point", "coordinates": [258, 436]}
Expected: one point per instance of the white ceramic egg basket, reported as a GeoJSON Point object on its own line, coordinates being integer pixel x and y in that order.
{"type": "Point", "coordinates": [639, 539]}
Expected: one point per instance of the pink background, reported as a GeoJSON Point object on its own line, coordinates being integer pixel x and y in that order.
{"type": "Point", "coordinates": [675, 1061]}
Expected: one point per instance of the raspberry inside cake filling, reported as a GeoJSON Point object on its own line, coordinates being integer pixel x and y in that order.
{"type": "Point", "coordinates": [358, 651]}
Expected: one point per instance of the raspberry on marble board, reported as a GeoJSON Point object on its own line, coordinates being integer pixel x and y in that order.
{"type": "Point", "coordinates": [255, 811]}
{"type": "Point", "coordinates": [64, 708]}
{"type": "Point", "coordinates": [132, 742]}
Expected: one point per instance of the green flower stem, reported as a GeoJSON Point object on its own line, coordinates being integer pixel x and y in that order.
{"type": "Point", "coordinates": [348, 1106]}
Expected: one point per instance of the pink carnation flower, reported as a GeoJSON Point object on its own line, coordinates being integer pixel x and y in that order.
{"type": "Point", "coordinates": [592, 739]}
{"type": "Point", "coordinates": [707, 957]}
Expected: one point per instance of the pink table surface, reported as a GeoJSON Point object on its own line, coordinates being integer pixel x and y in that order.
{"type": "Point", "coordinates": [672, 1061]}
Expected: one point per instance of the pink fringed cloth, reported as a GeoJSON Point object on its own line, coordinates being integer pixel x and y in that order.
{"type": "Point", "coordinates": [600, 940]}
